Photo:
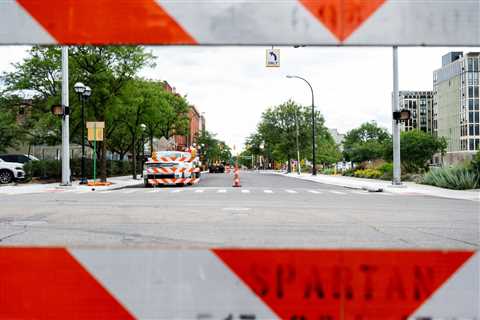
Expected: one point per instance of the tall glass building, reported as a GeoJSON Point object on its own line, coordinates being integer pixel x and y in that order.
{"type": "Point", "coordinates": [456, 104]}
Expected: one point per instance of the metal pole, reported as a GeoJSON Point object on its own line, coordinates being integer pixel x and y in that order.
{"type": "Point", "coordinates": [314, 148]}
{"type": "Point", "coordinates": [65, 119]}
{"type": "Point", "coordinates": [298, 148]}
{"type": "Point", "coordinates": [395, 125]}
{"type": "Point", "coordinates": [83, 180]}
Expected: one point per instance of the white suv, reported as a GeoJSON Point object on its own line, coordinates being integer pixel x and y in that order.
{"type": "Point", "coordinates": [10, 171]}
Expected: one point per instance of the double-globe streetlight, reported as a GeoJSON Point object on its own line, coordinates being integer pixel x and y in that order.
{"type": "Point", "coordinates": [83, 92]}
{"type": "Point", "coordinates": [314, 162]}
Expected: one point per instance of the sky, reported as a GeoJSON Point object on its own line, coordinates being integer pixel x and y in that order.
{"type": "Point", "coordinates": [232, 86]}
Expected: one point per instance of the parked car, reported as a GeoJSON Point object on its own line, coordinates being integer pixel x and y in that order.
{"type": "Point", "coordinates": [17, 158]}
{"type": "Point", "coordinates": [216, 168]}
{"type": "Point", "coordinates": [11, 171]}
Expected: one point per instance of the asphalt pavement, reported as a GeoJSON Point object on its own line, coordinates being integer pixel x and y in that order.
{"type": "Point", "coordinates": [267, 211]}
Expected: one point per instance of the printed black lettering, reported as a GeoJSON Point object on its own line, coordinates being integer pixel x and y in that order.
{"type": "Point", "coordinates": [368, 287]}
{"type": "Point", "coordinates": [257, 273]}
{"type": "Point", "coordinates": [284, 275]}
{"type": "Point", "coordinates": [342, 283]}
{"type": "Point", "coordinates": [247, 317]}
{"type": "Point", "coordinates": [314, 284]}
{"type": "Point", "coordinates": [423, 282]}
{"type": "Point", "coordinates": [395, 287]}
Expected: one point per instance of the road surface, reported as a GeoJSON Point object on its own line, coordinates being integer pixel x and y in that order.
{"type": "Point", "coordinates": [267, 211]}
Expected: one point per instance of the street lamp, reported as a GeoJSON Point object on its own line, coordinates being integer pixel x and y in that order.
{"type": "Point", "coordinates": [83, 92]}
{"type": "Point", "coordinates": [314, 168]}
{"type": "Point", "coordinates": [143, 127]}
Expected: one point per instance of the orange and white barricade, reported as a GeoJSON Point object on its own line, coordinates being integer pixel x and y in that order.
{"type": "Point", "coordinates": [86, 283]}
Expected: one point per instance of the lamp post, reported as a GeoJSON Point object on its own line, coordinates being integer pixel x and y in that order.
{"type": "Point", "coordinates": [143, 127]}
{"type": "Point", "coordinates": [314, 162]}
{"type": "Point", "coordinates": [83, 92]}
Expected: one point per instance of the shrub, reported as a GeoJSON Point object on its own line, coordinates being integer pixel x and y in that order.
{"type": "Point", "coordinates": [349, 173]}
{"type": "Point", "coordinates": [52, 169]}
{"type": "Point", "coordinates": [475, 166]}
{"type": "Point", "coordinates": [368, 173]}
{"type": "Point", "coordinates": [458, 178]}
{"type": "Point", "coordinates": [328, 171]}
{"type": "Point", "coordinates": [387, 171]}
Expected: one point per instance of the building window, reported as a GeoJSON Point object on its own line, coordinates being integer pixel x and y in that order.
{"type": "Point", "coordinates": [470, 104]}
{"type": "Point", "coordinates": [475, 91]}
{"type": "Point", "coordinates": [477, 129]}
{"type": "Point", "coordinates": [476, 103]}
{"type": "Point", "coordinates": [470, 131]}
{"type": "Point", "coordinates": [470, 117]}
{"type": "Point", "coordinates": [471, 144]}
{"type": "Point", "coordinates": [477, 141]}
{"type": "Point", "coordinates": [477, 120]}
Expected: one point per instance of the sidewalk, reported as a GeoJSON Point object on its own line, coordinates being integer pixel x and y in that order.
{"type": "Point", "coordinates": [386, 186]}
{"type": "Point", "coordinates": [117, 183]}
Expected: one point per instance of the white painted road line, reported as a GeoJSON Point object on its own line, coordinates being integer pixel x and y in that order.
{"type": "Point", "coordinates": [199, 191]}
{"type": "Point", "coordinates": [155, 190]}
{"type": "Point", "coordinates": [177, 190]}
{"type": "Point", "coordinates": [222, 191]}
{"type": "Point", "coordinates": [245, 191]}
{"type": "Point", "coordinates": [129, 191]}
{"type": "Point", "coordinates": [314, 191]}
{"type": "Point", "coordinates": [267, 191]}
{"type": "Point", "coordinates": [336, 192]}
{"type": "Point", "coordinates": [291, 191]}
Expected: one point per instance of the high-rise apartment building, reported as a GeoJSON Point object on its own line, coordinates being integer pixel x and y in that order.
{"type": "Point", "coordinates": [456, 104]}
{"type": "Point", "coordinates": [420, 104]}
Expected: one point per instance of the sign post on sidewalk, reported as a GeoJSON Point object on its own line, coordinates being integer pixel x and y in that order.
{"type": "Point", "coordinates": [95, 133]}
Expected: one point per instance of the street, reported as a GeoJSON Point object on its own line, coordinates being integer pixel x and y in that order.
{"type": "Point", "coordinates": [267, 211]}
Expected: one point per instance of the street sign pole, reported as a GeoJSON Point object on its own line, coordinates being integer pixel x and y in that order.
{"type": "Point", "coordinates": [395, 124]}
{"type": "Point", "coordinates": [94, 154]}
{"type": "Point", "coordinates": [65, 121]}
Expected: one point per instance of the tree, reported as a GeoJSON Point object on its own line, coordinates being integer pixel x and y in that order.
{"type": "Point", "coordinates": [368, 142]}
{"type": "Point", "coordinates": [416, 148]}
{"type": "Point", "coordinates": [275, 138]}
{"type": "Point", "coordinates": [105, 69]}
{"type": "Point", "coordinates": [212, 150]}
{"type": "Point", "coordinates": [9, 130]}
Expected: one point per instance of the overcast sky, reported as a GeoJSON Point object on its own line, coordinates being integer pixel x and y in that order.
{"type": "Point", "coordinates": [232, 86]}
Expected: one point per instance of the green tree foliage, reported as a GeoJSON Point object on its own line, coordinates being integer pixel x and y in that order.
{"type": "Point", "coordinates": [367, 142]}
{"type": "Point", "coordinates": [211, 149]}
{"type": "Point", "coordinates": [416, 148]}
{"type": "Point", "coordinates": [9, 131]}
{"type": "Point", "coordinates": [143, 102]}
{"type": "Point", "coordinates": [105, 69]}
{"type": "Point", "coordinates": [275, 138]}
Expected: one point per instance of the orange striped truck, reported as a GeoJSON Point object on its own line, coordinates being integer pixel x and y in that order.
{"type": "Point", "coordinates": [171, 168]}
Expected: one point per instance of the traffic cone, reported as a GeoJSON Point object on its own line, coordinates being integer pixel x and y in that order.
{"type": "Point", "coordinates": [236, 178]}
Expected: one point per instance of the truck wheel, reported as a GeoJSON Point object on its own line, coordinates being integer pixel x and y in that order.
{"type": "Point", "coordinates": [6, 176]}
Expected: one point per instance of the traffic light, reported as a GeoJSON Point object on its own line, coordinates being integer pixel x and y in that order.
{"type": "Point", "coordinates": [402, 115]}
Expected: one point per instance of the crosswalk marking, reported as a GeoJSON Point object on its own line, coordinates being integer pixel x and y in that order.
{"type": "Point", "coordinates": [336, 192]}
{"type": "Point", "coordinates": [245, 191]}
{"type": "Point", "coordinates": [222, 191]}
{"type": "Point", "coordinates": [267, 191]}
{"type": "Point", "coordinates": [314, 191]}
{"type": "Point", "coordinates": [291, 191]}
